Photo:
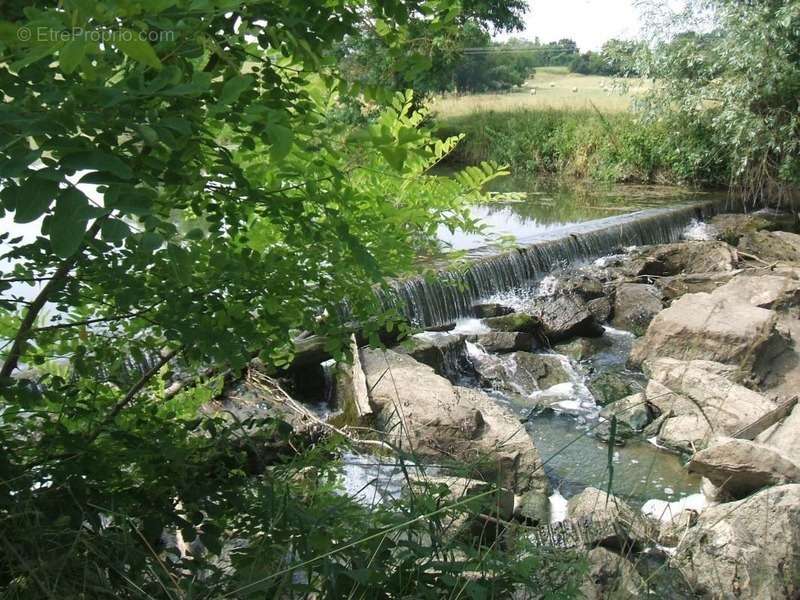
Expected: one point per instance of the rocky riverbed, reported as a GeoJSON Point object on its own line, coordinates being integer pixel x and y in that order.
{"type": "Point", "coordinates": [682, 359]}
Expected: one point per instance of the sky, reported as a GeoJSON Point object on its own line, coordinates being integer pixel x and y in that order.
{"type": "Point", "coordinates": [588, 22]}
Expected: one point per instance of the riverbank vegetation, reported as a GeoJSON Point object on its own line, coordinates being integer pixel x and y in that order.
{"type": "Point", "coordinates": [712, 114]}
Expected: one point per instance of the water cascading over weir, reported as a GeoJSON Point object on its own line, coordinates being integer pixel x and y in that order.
{"type": "Point", "coordinates": [449, 294]}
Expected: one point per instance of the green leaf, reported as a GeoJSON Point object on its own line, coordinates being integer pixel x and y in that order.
{"type": "Point", "coordinates": [97, 161]}
{"type": "Point", "coordinates": [281, 139]}
{"type": "Point", "coordinates": [68, 223]}
{"type": "Point", "coordinates": [114, 230]}
{"type": "Point", "coordinates": [71, 55]}
{"type": "Point", "coordinates": [140, 50]}
{"type": "Point", "coordinates": [194, 234]}
{"type": "Point", "coordinates": [34, 198]}
{"type": "Point", "coordinates": [234, 88]}
{"type": "Point", "coordinates": [150, 241]}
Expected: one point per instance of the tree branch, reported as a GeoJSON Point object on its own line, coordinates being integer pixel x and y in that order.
{"type": "Point", "coordinates": [36, 306]}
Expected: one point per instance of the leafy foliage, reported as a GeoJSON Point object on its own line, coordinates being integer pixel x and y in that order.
{"type": "Point", "coordinates": [195, 202]}
{"type": "Point", "coordinates": [730, 70]}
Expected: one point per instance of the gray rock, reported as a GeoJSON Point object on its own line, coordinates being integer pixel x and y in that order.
{"type": "Point", "coordinates": [716, 327]}
{"type": "Point", "coordinates": [582, 348]}
{"type": "Point", "coordinates": [774, 246]}
{"type": "Point", "coordinates": [600, 308]}
{"type": "Point", "coordinates": [566, 316]}
{"type": "Point", "coordinates": [634, 411]}
{"type": "Point", "coordinates": [499, 342]}
{"type": "Point", "coordinates": [521, 372]}
{"type": "Point", "coordinates": [731, 227]}
{"type": "Point", "coordinates": [742, 467]}
{"type": "Point", "coordinates": [672, 530]}
{"type": "Point", "coordinates": [762, 290]}
{"type": "Point", "coordinates": [611, 576]}
{"type": "Point", "coordinates": [700, 402]}
{"type": "Point", "coordinates": [515, 322]}
{"type": "Point", "coordinates": [691, 283]}
{"type": "Point", "coordinates": [746, 549]}
{"type": "Point", "coordinates": [424, 413]}
{"type": "Point", "coordinates": [610, 386]}
{"type": "Point", "coordinates": [490, 309]}
{"type": "Point", "coordinates": [683, 257]}
{"type": "Point", "coordinates": [442, 351]}
{"type": "Point", "coordinates": [635, 305]}
{"type": "Point", "coordinates": [593, 505]}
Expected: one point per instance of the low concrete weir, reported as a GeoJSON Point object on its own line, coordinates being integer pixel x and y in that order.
{"type": "Point", "coordinates": [451, 292]}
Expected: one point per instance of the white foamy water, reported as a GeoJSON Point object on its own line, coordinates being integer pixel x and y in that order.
{"type": "Point", "coordinates": [373, 479]}
{"type": "Point", "coordinates": [699, 231]}
{"type": "Point", "coordinates": [558, 507]}
{"type": "Point", "coordinates": [666, 511]}
{"type": "Point", "coordinates": [470, 327]}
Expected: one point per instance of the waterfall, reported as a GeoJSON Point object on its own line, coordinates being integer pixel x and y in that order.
{"type": "Point", "coordinates": [450, 294]}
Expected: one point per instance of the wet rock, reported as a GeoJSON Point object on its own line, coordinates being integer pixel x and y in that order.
{"type": "Point", "coordinates": [564, 317]}
{"type": "Point", "coordinates": [490, 309]}
{"type": "Point", "coordinates": [691, 283]}
{"type": "Point", "coordinates": [584, 285]}
{"type": "Point", "coordinates": [600, 308]}
{"type": "Point", "coordinates": [441, 328]}
{"type": "Point", "coordinates": [634, 411]}
{"type": "Point", "coordinates": [632, 528]}
{"type": "Point", "coordinates": [582, 348]}
{"type": "Point", "coordinates": [746, 549]}
{"type": "Point", "coordinates": [622, 433]}
{"type": "Point", "coordinates": [742, 467]}
{"type": "Point", "coordinates": [610, 386]}
{"type": "Point", "coordinates": [611, 576]}
{"type": "Point", "coordinates": [521, 372]}
{"type": "Point", "coordinates": [682, 257]}
{"type": "Point", "coordinates": [635, 305]}
{"type": "Point", "coordinates": [442, 351]}
{"type": "Point", "coordinates": [717, 327]}
{"type": "Point", "coordinates": [771, 246]}
{"type": "Point", "coordinates": [700, 403]}
{"type": "Point", "coordinates": [521, 322]}
{"type": "Point", "coordinates": [499, 342]}
{"type": "Point", "coordinates": [424, 413]}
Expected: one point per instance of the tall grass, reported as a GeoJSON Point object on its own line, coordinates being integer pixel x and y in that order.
{"type": "Point", "coordinates": [588, 144]}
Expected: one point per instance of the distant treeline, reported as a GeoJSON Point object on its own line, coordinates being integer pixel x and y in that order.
{"type": "Point", "coordinates": [471, 62]}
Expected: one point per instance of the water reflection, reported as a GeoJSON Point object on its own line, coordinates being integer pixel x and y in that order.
{"type": "Point", "coordinates": [548, 206]}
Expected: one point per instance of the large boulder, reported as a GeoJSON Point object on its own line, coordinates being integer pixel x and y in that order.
{"type": "Point", "coordinates": [746, 549]}
{"type": "Point", "coordinates": [499, 342]}
{"type": "Point", "coordinates": [611, 576]}
{"type": "Point", "coordinates": [717, 327]}
{"type": "Point", "coordinates": [520, 372]}
{"type": "Point", "coordinates": [785, 436]}
{"type": "Point", "coordinates": [629, 528]}
{"type": "Point", "coordinates": [425, 414]}
{"type": "Point", "coordinates": [442, 351]}
{"type": "Point", "coordinates": [682, 257]}
{"type": "Point", "coordinates": [635, 305]}
{"type": "Point", "coordinates": [520, 322]}
{"type": "Point", "coordinates": [565, 316]}
{"type": "Point", "coordinates": [762, 290]}
{"type": "Point", "coordinates": [771, 246]}
{"type": "Point", "coordinates": [676, 286]}
{"type": "Point", "coordinates": [741, 467]}
{"type": "Point", "coordinates": [731, 227]}
{"type": "Point", "coordinates": [700, 402]}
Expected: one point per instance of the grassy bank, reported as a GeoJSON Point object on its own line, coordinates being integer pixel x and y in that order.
{"type": "Point", "coordinates": [587, 144]}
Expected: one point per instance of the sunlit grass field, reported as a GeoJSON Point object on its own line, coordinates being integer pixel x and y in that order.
{"type": "Point", "coordinates": [555, 88]}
